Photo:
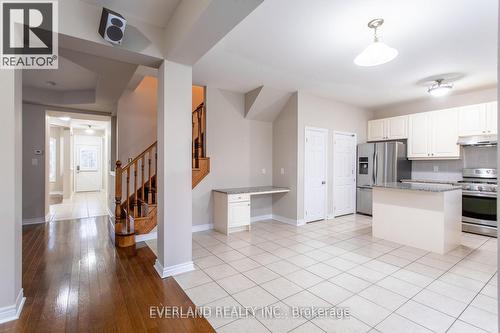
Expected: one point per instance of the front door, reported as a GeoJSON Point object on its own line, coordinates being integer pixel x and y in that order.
{"type": "Point", "coordinates": [315, 165]}
{"type": "Point", "coordinates": [88, 165]}
{"type": "Point", "coordinates": [344, 174]}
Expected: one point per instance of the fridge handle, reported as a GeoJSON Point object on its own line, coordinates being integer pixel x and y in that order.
{"type": "Point", "coordinates": [374, 173]}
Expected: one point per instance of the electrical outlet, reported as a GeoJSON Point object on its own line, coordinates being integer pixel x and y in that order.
{"type": "Point", "coordinates": [436, 168]}
{"type": "Point", "coordinates": [264, 171]}
{"type": "Point", "coordinates": [282, 171]}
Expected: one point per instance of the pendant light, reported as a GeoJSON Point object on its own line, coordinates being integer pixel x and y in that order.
{"type": "Point", "coordinates": [376, 53]}
{"type": "Point", "coordinates": [438, 88]}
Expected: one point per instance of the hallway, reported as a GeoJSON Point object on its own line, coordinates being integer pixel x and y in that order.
{"type": "Point", "coordinates": [81, 205]}
{"type": "Point", "coordinates": [74, 279]}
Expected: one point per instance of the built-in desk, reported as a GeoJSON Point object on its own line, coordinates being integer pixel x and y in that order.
{"type": "Point", "coordinates": [232, 206]}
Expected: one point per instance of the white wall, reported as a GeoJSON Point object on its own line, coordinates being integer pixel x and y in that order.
{"type": "Point", "coordinates": [238, 149]}
{"type": "Point", "coordinates": [11, 294]}
{"type": "Point", "coordinates": [34, 206]}
{"type": "Point", "coordinates": [432, 103]}
{"type": "Point", "coordinates": [285, 131]}
{"type": "Point", "coordinates": [136, 120]}
{"type": "Point", "coordinates": [324, 113]}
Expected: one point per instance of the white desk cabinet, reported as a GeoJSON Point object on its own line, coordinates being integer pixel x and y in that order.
{"type": "Point", "coordinates": [232, 207]}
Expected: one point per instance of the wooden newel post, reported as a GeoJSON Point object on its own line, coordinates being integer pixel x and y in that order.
{"type": "Point", "coordinates": [118, 191]}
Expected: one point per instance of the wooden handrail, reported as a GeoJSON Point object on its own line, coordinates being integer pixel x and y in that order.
{"type": "Point", "coordinates": [132, 204]}
{"type": "Point", "coordinates": [140, 155]}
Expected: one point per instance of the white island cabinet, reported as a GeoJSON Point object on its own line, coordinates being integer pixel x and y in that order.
{"type": "Point", "coordinates": [425, 216]}
{"type": "Point", "coordinates": [232, 206]}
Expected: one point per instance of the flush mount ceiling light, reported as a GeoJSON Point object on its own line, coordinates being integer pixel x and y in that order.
{"type": "Point", "coordinates": [65, 118]}
{"type": "Point", "coordinates": [440, 88]}
{"type": "Point", "coordinates": [89, 130]}
{"type": "Point", "coordinates": [376, 53]}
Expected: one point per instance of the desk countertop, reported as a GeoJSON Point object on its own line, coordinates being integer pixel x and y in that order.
{"type": "Point", "coordinates": [253, 190]}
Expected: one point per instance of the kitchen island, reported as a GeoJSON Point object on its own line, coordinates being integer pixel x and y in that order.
{"type": "Point", "coordinates": [426, 216]}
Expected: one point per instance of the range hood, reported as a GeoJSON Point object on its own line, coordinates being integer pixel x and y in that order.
{"type": "Point", "coordinates": [478, 140]}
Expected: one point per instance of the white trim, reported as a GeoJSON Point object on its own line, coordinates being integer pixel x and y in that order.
{"type": "Point", "coordinates": [288, 220]}
{"type": "Point", "coordinates": [56, 193]}
{"type": "Point", "coordinates": [48, 217]}
{"type": "Point", "coordinates": [333, 169]}
{"type": "Point", "coordinates": [330, 217]}
{"type": "Point", "coordinates": [326, 131]}
{"type": "Point", "coordinates": [110, 213]}
{"type": "Point", "coordinates": [202, 227]}
{"type": "Point", "coordinates": [12, 312]}
{"type": "Point", "coordinates": [146, 237]}
{"type": "Point", "coordinates": [254, 219]}
{"type": "Point", "coordinates": [164, 272]}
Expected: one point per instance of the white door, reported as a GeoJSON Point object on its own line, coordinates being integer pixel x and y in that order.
{"type": "Point", "coordinates": [88, 164]}
{"type": "Point", "coordinates": [444, 136]}
{"type": "Point", "coordinates": [491, 118]}
{"type": "Point", "coordinates": [315, 164]}
{"type": "Point", "coordinates": [418, 135]}
{"type": "Point", "coordinates": [377, 130]}
{"type": "Point", "coordinates": [472, 119]}
{"type": "Point", "coordinates": [397, 127]}
{"type": "Point", "coordinates": [344, 174]}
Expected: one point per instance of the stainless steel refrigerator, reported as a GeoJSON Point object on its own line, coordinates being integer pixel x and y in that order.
{"type": "Point", "coordinates": [380, 162]}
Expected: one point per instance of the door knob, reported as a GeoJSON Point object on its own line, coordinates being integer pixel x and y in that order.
{"type": "Point", "coordinates": [323, 182]}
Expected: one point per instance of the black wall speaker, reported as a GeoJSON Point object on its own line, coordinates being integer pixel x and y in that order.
{"type": "Point", "coordinates": [112, 26]}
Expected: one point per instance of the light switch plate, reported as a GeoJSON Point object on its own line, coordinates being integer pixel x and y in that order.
{"type": "Point", "coordinates": [263, 171]}
{"type": "Point", "coordinates": [282, 171]}
{"type": "Point", "coordinates": [436, 168]}
{"type": "Point", "coordinates": [34, 161]}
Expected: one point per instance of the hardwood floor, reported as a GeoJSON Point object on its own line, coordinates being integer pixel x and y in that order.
{"type": "Point", "coordinates": [74, 279]}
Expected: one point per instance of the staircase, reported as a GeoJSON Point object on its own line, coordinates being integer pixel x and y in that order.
{"type": "Point", "coordinates": [201, 163]}
{"type": "Point", "coordinates": [136, 213]}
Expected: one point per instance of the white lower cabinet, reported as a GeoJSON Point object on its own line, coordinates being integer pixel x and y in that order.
{"type": "Point", "coordinates": [433, 135]}
{"type": "Point", "coordinates": [231, 212]}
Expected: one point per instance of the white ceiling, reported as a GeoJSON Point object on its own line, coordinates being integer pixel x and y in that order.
{"type": "Point", "coordinates": [310, 45]}
{"type": "Point", "coordinates": [69, 76]}
{"type": "Point", "coordinates": [155, 12]}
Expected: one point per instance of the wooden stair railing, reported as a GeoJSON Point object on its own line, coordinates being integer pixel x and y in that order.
{"type": "Point", "coordinates": [136, 214]}
{"type": "Point", "coordinates": [201, 163]}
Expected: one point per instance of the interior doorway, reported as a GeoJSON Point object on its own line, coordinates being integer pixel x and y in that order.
{"type": "Point", "coordinates": [344, 173]}
{"type": "Point", "coordinates": [315, 174]}
{"type": "Point", "coordinates": [77, 165]}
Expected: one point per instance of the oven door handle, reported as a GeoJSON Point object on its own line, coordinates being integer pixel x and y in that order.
{"type": "Point", "coordinates": [480, 194]}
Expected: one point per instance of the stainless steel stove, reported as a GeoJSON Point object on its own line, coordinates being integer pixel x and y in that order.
{"type": "Point", "coordinates": [479, 201]}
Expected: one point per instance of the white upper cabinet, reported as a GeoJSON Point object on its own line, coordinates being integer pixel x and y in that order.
{"type": "Point", "coordinates": [418, 135]}
{"type": "Point", "coordinates": [388, 129]}
{"type": "Point", "coordinates": [433, 135]}
{"type": "Point", "coordinates": [491, 117]}
{"type": "Point", "coordinates": [376, 130]}
{"type": "Point", "coordinates": [397, 127]}
{"type": "Point", "coordinates": [444, 135]}
{"type": "Point", "coordinates": [478, 119]}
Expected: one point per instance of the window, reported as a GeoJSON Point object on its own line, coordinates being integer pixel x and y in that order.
{"type": "Point", "coordinates": [52, 160]}
{"type": "Point", "coordinates": [88, 160]}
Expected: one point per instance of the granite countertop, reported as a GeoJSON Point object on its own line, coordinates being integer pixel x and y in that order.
{"type": "Point", "coordinates": [430, 181]}
{"type": "Point", "coordinates": [426, 187]}
{"type": "Point", "coordinates": [256, 189]}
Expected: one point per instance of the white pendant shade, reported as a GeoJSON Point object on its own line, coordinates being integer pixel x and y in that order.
{"type": "Point", "coordinates": [375, 54]}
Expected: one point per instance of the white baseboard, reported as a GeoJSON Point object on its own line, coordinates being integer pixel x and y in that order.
{"type": "Point", "coordinates": [37, 220]}
{"type": "Point", "coordinates": [287, 220]}
{"type": "Point", "coordinates": [12, 312]}
{"type": "Point", "coordinates": [165, 272]}
{"type": "Point", "coordinates": [202, 227]}
{"type": "Point", "coordinates": [261, 218]}
{"type": "Point", "coordinates": [146, 237]}
{"type": "Point", "coordinates": [56, 193]}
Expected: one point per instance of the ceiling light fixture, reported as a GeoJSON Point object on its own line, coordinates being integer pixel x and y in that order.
{"type": "Point", "coordinates": [376, 53]}
{"type": "Point", "coordinates": [438, 88]}
{"type": "Point", "coordinates": [89, 130]}
{"type": "Point", "coordinates": [65, 118]}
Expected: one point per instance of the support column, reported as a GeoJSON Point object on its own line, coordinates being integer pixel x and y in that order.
{"type": "Point", "coordinates": [174, 169]}
{"type": "Point", "coordinates": [11, 292]}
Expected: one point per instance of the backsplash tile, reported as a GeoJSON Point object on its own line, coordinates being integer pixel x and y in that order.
{"type": "Point", "coordinates": [451, 170]}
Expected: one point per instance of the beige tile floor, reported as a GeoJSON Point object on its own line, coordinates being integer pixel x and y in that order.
{"type": "Point", "coordinates": [386, 286]}
{"type": "Point", "coordinates": [81, 205]}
